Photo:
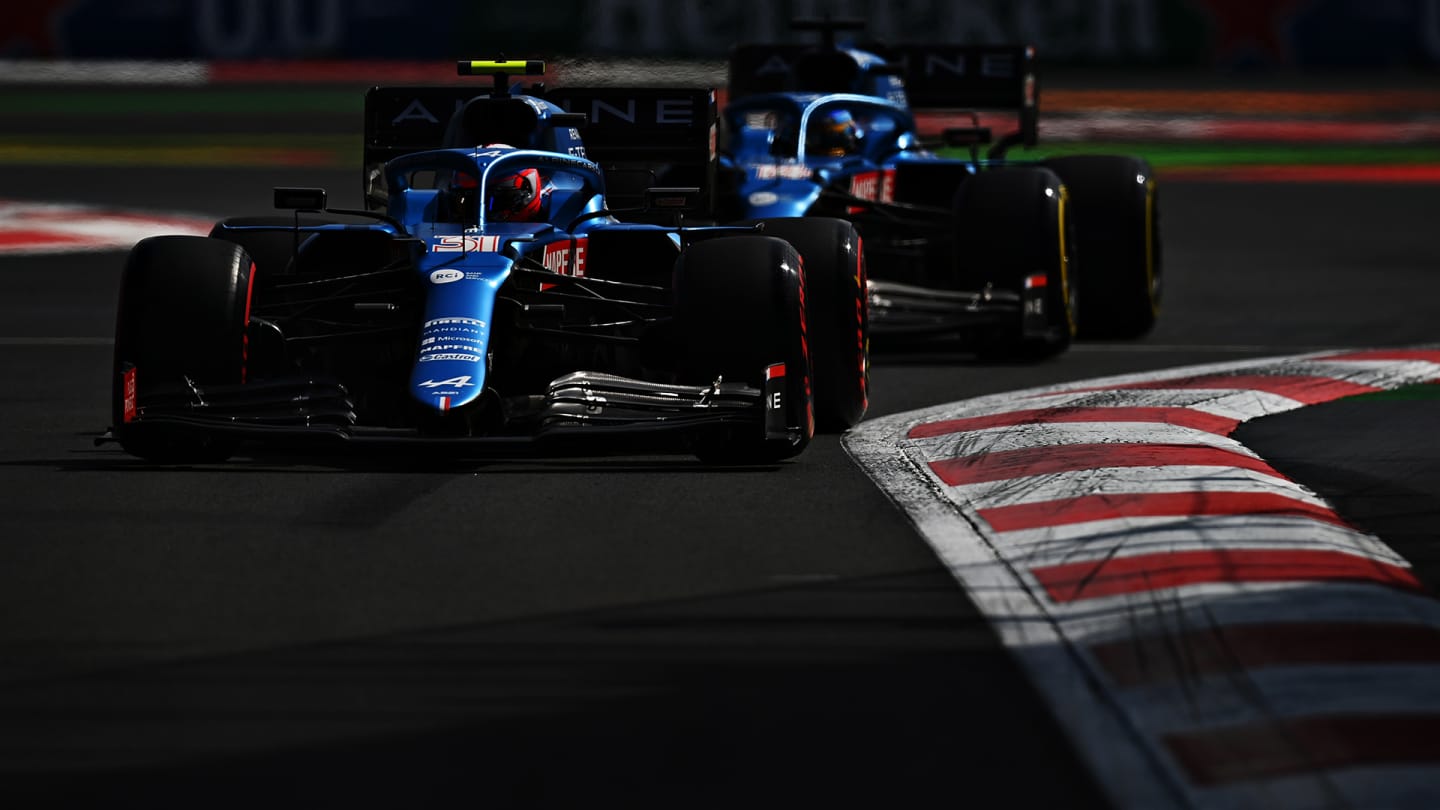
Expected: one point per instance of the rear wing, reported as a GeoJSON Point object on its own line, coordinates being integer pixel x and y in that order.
{"type": "Point", "coordinates": [647, 137]}
{"type": "Point", "coordinates": [401, 120]}
{"type": "Point", "coordinates": [770, 69]}
{"type": "Point", "coordinates": [971, 77]}
{"type": "Point", "coordinates": [966, 77]}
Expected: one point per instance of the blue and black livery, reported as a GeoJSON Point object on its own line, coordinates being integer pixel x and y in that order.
{"type": "Point", "coordinates": [1016, 255]}
{"type": "Point", "coordinates": [422, 320]}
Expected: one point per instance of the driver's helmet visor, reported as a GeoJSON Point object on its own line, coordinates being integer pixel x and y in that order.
{"type": "Point", "coordinates": [513, 195]}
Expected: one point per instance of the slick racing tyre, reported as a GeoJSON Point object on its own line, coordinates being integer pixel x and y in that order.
{"type": "Point", "coordinates": [184, 304]}
{"type": "Point", "coordinates": [739, 310]}
{"type": "Point", "coordinates": [837, 308]}
{"type": "Point", "coordinates": [1116, 210]}
{"type": "Point", "coordinates": [1013, 232]}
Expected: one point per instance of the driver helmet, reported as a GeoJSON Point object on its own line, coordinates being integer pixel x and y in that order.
{"type": "Point", "coordinates": [515, 197]}
{"type": "Point", "coordinates": [833, 134]}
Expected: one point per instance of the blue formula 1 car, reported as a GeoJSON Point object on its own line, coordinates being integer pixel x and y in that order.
{"type": "Point", "coordinates": [489, 301]}
{"type": "Point", "coordinates": [1018, 256]}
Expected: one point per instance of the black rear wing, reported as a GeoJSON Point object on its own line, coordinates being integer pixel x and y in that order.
{"type": "Point", "coordinates": [401, 120]}
{"type": "Point", "coordinates": [971, 77]}
{"type": "Point", "coordinates": [647, 137]}
{"type": "Point", "coordinates": [768, 69]}
{"type": "Point", "coordinates": [942, 76]}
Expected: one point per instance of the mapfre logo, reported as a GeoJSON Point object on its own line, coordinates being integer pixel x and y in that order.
{"type": "Point", "coordinates": [874, 185]}
{"type": "Point", "coordinates": [558, 260]}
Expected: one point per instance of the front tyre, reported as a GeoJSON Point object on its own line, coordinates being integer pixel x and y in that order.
{"type": "Point", "coordinates": [1014, 232]}
{"type": "Point", "coordinates": [740, 316]}
{"type": "Point", "coordinates": [183, 311]}
{"type": "Point", "coordinates": [837, 308]}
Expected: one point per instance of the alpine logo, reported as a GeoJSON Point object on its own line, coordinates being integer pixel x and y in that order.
{"type": "Point", "coordinates": [678, 111]}
{"type": "Point", "coordinates": [453, 382]}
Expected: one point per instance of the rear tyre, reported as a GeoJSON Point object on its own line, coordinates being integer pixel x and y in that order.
{"type": "Point", "coordinates": [740, 308]}
{"type": "Point", "coordinates": [1013, 232]}
{"type": "Point", "coordinates": [837, 308]}
{"type": "Point", "coordinates": [184, 307]}
{"type": "Point", "coordinates": [1116, 208]}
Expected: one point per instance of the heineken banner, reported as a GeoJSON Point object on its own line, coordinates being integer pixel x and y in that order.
{"type": "Point", "coordinates": [1169, 33]}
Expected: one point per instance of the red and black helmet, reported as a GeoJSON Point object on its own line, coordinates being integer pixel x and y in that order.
{"type": "Point", "coordinates": [514, 197]}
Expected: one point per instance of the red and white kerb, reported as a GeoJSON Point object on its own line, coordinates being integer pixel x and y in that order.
{"type": "Point", "coordinates": [1197, 621]}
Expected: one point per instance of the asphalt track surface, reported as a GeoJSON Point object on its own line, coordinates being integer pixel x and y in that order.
{"type": "Point", "coordinates": [640, 631]}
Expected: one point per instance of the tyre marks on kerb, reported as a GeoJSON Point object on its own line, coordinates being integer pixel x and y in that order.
{"type": "Point", "coordinates": [1211, 633]}
{"type": "Point", "coordinates": [28, 228]}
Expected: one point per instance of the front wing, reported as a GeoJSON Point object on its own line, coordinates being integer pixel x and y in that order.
{"type": "Point", "coordinates": [585, 413]}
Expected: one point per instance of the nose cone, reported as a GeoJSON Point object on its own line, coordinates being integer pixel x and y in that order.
{"type": "Point", "coordinates": [450, 363]}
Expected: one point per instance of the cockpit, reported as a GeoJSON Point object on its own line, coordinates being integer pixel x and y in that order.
{"type": "Point", "coordinates": [781, 127]}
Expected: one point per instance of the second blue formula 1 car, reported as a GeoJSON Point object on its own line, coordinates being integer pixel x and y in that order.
{"type": "Point", "coordinates": [486, 301]}
{"type": "Point", "coordinates": [1017, 256]}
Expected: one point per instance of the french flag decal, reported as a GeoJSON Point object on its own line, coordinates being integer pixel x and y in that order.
{"type": "Point", "coordinates": [444, 403]}
{"type": "Point", "coordinates": [774, 372]}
